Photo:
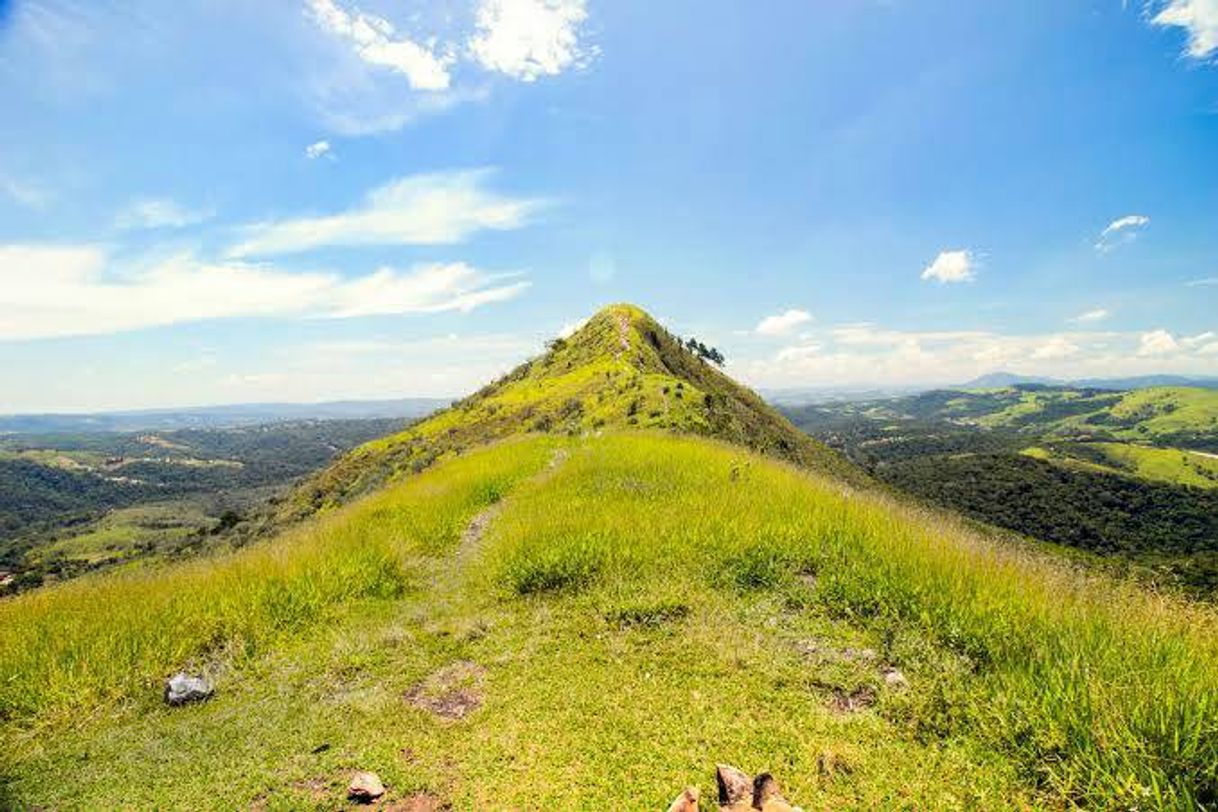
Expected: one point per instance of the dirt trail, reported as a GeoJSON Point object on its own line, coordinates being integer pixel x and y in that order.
{"type": "Point", "coordinates": [471, 537]}
{"type": "Point", "coordinates": [623, 334]}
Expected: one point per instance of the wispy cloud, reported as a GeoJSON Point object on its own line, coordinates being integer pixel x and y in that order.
{"type": "Point", "coordinates": [782, 323]}
{"type": "Point", "coordinates": [951, 266]}
{"type": "Point", "coordinates": [71, 290]}
{"type": "Point", "coordinates": [1091, 316]}
{"type": "Point", "coordinates": [1209, 281]}
{"type": "Point", "coordinates": [25, 193]}
{"type": "Point", "coordinates": [160, 213]}
{"type": "Point", "coordinates": [430, 209]}
{"type": "Point", "coordinates": [1199, 18]}
{"type": "Point", "coordinates": [1121, 230]}
{"type": "Point", "coordinates": [528, 39]}
{"type": "Point", "coordinates": [376, 42]}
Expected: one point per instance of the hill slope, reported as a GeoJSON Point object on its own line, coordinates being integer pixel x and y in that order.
{"type": "Point", "coordinates": [1162, 415]}
{"type": "Point", "coordinates": [593, 623]}
{"type": "Point", "coordinates": [620, 369]}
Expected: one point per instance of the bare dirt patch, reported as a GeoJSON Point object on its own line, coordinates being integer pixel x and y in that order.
{"type": "Point", "coordinates": [419, 802]}
{"type": "Point", "coordinates": [451, 693]}
{"type": "Point", "coordinates": [477, 527]}
{"type": "Point", "coordinates": [843, 702]}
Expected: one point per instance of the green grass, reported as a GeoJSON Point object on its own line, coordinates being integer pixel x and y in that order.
{"type": "Point", "coordinates": [644, 608]}
{"type": "Point", "coordinates": [126, 533]}
{"type": "Point", "coordinates": [1174, 466]}
{"type": "Point", "coordinates": [74, 648]}
{"type": "Point", "coordinates": [1170, 409]}
{"type": "Point", "coordinates": [621, 369]}
{"type": "Point", "coordinates": [1160, 414]}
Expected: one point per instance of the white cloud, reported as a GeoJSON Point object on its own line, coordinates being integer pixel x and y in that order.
{"type": "Point", "coordinates": [1091, 316]}
{"type": "Point", "coordinates": [1056, 347]}
{"type": "Point", "coordinates": [24, 193]}
{"type": "Point", "coordinates": [951, 266]}
{"type": "Point", "coordinates": [570, 328]}
{"type": "Point", "coordinates": [799, 352]}
{"type": "Point", "coordinates": [1209, 281]}
{"type": "Point", "coordinates": [426, 289]}
{"type": "Point", "coordinates": [1157, 342]}
{"type": "Point", "coordinates": [159, 213]}
{"type": "Point", "coordinates": [1122, 223]}
{"type": "Point", "coordinates": [528, 39]}
{"type": "Point", "coordinates": [376, 42]}
{"type": "Point", "coordinates": [783, 322]}
{"type": "Point", "coordinates": [866, 355]}
{"type": "Point", "coordinates": [51, 291]}
{"type": "Point", "coordinates": [1199, 18]}
{"type": "Point", "coordinates": [1122, 229]}
{"type": "Point", "coordinates": [318, 149]}
{"type": "Point", "coordinates": [431, 209]}
{"type": "Point", "coordinates": [1205, 343]}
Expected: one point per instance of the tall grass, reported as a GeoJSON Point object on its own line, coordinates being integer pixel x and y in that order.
{"type": "Point", "coordinates": [1106, 695]}
{"type": "Point", "coordinates": [73, 648]}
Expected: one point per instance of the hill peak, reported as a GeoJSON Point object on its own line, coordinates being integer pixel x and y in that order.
{"type": "Point", "coordinates": [620, 369]}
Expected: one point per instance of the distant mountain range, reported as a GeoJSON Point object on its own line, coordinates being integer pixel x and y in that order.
{"type": "Point", "coordinates": [996, 380]}
{"type": "Point", "coordinates": [245, 414]}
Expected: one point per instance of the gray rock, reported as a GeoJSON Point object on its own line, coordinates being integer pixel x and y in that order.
{"type": "Point", "coordinates": [365, 788]}
{"type": "Point", "coordinates": [893, 678]}
{"type": "Point", "coordinates": [182, 689]}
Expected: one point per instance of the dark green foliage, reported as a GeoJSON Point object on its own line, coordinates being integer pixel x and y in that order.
{"type": "Point", "coordinates": [1168, 532]}
{"type": "Point", "coordinates": [40, 502]}
{"type": "Point", "coordinates": [1096, 512]}
{"type": "Point", "coordinates": [647, 615]}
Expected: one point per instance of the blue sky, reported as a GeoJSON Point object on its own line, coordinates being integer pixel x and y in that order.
{"type": "Point", "coordinates": [303, 200]}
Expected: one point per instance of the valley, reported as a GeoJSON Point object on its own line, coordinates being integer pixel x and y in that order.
{"type": "Point", "coordinates": [73, 502]}
{"type": "Point", "coordinates": [1129, 476]}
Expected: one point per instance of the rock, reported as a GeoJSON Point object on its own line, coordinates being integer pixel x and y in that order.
{"type": "Point", "coordinates": [182, 688]}
{"type": "Point", "coordinates": [735, 788]}
{"type": "Point", "coordinates": [768, 797]}
{"type": "Point", "coordinates": [365, 788]}
{"type": "Point", "coordinates": [893, 678]}
{"type": "Point", "coordinates": [687, 801]}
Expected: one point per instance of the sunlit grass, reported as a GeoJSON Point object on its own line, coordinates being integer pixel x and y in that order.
{"type": "Point", "coordinates": [641, 610]}
{"type": "Point", "coordinates": [1103, 693]}
{"type": "Point", "coordinates": [71, 648]}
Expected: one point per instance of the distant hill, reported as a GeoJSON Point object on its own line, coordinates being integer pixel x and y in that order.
{"type": "Point", "coordinates": [998, 380]}
{"type": "Point", "coordinates": [1185, 417]}
{"type": "Point", "coordinates": [621, 369]}
{"type": "Point", "coordinates": [205, 417]}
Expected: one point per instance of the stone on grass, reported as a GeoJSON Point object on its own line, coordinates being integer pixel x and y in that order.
{"type": "Point", "coordinates": [182, 689]}
{"type": "Point", "coordinates": [893, 678]}
{"type": "Point", "coordinates": [365, 788]}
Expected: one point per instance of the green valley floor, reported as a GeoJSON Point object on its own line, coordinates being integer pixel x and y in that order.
{"type": "Point", "coordinates": [595, 623]}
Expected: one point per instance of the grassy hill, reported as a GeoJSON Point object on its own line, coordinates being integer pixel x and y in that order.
{"type": "Point", "coordinates": [620, 369]}
{"type": "Point", "coordinates": [1162, 415]}
{"type": "Point", "coordinates": [1197, 469]}
{"type": "Point", "coordinates": [1050, 463]}
{"type": "Point", "coordinates": [592, 617]}
{"type": "Point", "coordinates": [633, 608]}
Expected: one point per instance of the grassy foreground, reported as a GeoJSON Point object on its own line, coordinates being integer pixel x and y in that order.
{"type": "Point", "coordinates": [639, 607]}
